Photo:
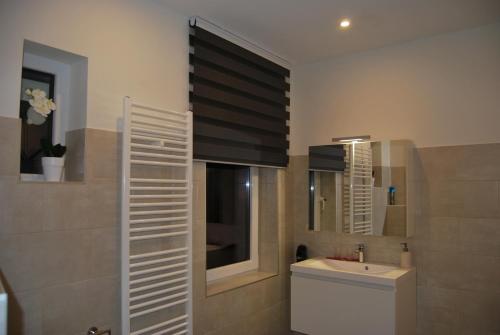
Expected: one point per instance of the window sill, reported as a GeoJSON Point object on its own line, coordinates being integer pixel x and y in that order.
{"type": "Point", "coordinates": [233, 282]}
{"type": "Point", "coordinates": [39, 179]}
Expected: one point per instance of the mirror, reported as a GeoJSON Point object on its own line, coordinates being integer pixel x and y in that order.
{"type": "Point", "coordinates": [362, 188]}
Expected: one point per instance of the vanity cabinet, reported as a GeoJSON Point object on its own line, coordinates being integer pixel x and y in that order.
{"type": "Point", "coordinates": [344, 304]}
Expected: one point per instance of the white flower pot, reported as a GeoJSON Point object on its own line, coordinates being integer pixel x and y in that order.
{"type": "Point", "coordinates": [53, 168]}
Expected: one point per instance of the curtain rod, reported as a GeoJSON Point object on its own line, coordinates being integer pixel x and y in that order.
{"type": "Point", "coordinates": [255, 48]}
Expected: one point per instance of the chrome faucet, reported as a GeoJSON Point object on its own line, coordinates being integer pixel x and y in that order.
{"type": "Point", "coordinates": [361, 252]}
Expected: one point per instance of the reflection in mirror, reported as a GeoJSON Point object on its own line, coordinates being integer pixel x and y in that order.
{"type": "Point", "coordinates": [367, 194]}
{"type": "Point", "coordinates": [323, 196]}
{"type": "Point", "coordinates": [326, 162]}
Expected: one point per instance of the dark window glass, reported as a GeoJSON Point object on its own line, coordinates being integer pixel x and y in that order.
{"type": "Point", "coordinates": [31, 135]}
{"type": "Point", "coordinates": [228, 214]}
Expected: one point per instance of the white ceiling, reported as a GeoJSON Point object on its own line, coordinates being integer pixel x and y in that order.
{"type": "Point", "coordinates": [306, 30]}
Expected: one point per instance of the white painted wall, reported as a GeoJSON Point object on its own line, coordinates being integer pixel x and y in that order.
{"type": "Point", "coordinates": [443, 90]}
{"type": "Point", "coordinates": [135, 48]}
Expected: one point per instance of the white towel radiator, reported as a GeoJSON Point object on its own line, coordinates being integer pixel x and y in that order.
{"type": "Point", "coordinates": [156, 221]}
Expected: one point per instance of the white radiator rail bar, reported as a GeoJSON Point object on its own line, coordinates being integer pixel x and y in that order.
{"type": "Point", "coordinates": [159, 133]}
{"type": "Point", "coordinates": [155, 301]}
{"type": "Point", "coordinates": [160, 325]}
{"type": "Point", "coordinates": [157, 269]}
{"type": "Point", "coordinates": [162, 126]}
{"type": "Point", "coordinates": [158, 220]}
{"type": "Point", "coordinates": [160, 110]}
{"type": "Point", "coordinates": [158, 253]}
{"type": "Point", "coordinates": [152, 155]}
{"type": "Point", "coordinates": [157, 204]}
{"type": "Point", "coordinates": [141, 230]}
{"type": "Point", "coordinates": [157, 196]}
{"type": "Point", "coordinates": [159, 141]}
{"type": "Point", "coordinates": [156, 163]}
{"type": "Point", "coordinates": [155, 309]}
{"type": "Point", "coordinates": [161, 118]}
{"type": "Point", "coordinates": [161, 284]}
{"type": "Point", "coordinates": [156, 147]}
{"type": "Point", "coordinates": [159, 292]}
{"type": "Point", "coordinates": [160, 181]}
{"type": "Point", "coordinates": [171, 329]}
{"type": "Point", "coordinates": [156, 261]}
{"type": "Point", "coordinates": [158, 188]}
{"type": "Point", "coordinates": [166, 275]}
{"type": "Point", "coordinates": [153, 236]}
{"type": "Point", "coordinates": [156, 212]}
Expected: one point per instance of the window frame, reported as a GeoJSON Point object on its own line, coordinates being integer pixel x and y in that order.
{"type": "Point", "coordinates": [253, 263]}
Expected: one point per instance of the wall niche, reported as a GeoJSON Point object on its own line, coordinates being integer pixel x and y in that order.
{"type": "Point", "coordinates": [53, 112]}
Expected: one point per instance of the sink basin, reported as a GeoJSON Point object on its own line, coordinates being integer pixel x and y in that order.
{"type": "Point", "coordinates": [372, 273]}
{"type": "Point", "coordinates": [358, 267]}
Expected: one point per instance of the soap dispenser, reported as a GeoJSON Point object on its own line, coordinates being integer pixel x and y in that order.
{"type": "Point", "coordinates": [405, 256]}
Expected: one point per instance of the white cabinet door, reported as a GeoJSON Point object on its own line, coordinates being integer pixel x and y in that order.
{"type": "Point", "coordinates": [324, 307]}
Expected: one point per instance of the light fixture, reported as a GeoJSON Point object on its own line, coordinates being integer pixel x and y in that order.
{"type": "Point", "coordinates": [345, 23]}
{"type": "Point", "coordinates": [351, 139]}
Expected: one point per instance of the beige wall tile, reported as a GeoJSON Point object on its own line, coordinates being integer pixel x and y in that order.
{"type": "Point", "coordinates": [25, 313]}
{"type": "Point", "coordinates": [102, 155]}
{"type": "Point", "coordinates": [479, 313]}
{"type": "Point", "coordinates": [444, 198]}
{"type": "Point", "coordinates": [10, 146]}
{"type": "Point", "coordinates": [21, 206]}
{"type": "Point", "coordinates": [74, 164]}
{"type": "Point", "coordinates": [104, 201]}
{"type": "Point", "coordinates": [37, 260]}
{"type": "Point", "coordinates": [481, 199]}
{"type": "Point", "coordinates": [73, 308]}
{"type": "Point", "coordinates": [479, 236]}
{"type": "Point", "coordinates": [441, 162]}
{"type": "Point", "coordinates": [66, 206]}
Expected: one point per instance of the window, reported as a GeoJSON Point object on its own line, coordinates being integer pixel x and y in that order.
{"type": "Point", "coordinates": [33, 134]}
{"type": "Point", "coordinates": [232, 220]}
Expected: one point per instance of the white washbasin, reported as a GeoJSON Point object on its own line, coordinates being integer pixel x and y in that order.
{"type": "Point", "coordinates": [358, 267]}
{"type": "Point", "coordinates": [353, 271]}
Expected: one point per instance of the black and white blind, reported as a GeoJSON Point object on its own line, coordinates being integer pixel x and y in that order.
{"type": "Point", "coordinates": [327, 157]}
{"type": "Point", "coordinates": [239, 101]}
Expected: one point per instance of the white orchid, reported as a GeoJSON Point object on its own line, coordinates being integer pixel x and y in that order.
{"type": "Point", "coordinates": [39, 102]}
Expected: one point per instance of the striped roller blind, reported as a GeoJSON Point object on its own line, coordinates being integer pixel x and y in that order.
{"type": "Point", "coordinates": [327, 157]}
{"type": "Point", "coordinates": [239, 102]}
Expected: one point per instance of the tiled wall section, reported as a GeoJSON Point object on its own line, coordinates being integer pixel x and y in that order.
{"type": "Point", "coordinates": [59, 242]}
{"type": "Point", "coordinates": [457, 242]}
{"type": "Point", "coordinates": [260, 308]}
{"type": "Point", "coordinates": [59, 251]}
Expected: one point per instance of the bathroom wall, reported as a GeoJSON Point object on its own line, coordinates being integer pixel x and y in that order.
{"type": "Point", "coordinates": [436, 91]}
{"type": "Point", "coordinates": [442, 93]}
{"type": "Point", "coordinates": [259, 306]}
{"type": "Point", "coordinates": [134, 48]}
{"type": "Point", "coordinates": [59, 242]}
{"type": "Point", "coordinates": [60, 255]}
{"type": "Point", "coordinates": [457, 242]}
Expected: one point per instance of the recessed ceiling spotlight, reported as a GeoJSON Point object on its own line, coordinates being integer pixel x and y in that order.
{"type": "Point", "coordinates": [345, 23]}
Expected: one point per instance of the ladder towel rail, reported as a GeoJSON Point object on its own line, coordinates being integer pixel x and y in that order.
{"type": "Point", "coordinates": [156, 204]}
